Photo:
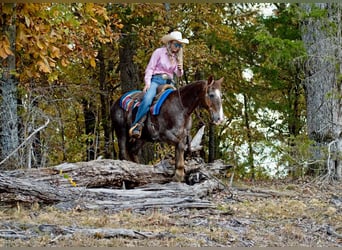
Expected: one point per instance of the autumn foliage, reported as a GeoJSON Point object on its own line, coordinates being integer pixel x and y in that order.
{"type": "Point", "coordinates": [70, 60]}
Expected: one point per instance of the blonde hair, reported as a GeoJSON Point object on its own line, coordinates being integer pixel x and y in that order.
{"type": "Point", "coordinates": [179, 55]}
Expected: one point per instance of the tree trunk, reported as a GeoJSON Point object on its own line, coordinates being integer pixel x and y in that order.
{"type": "Point", "coordinates": [212, 143]}
{"type": "Point", "coordinates": [9, 140]}
{"type": "Point", "coordinates": [199, 75]}
{"type": "Point", "coordinates": [295, 122]}
{"type": "Point", "coordinates": [322, 40]}
{"type": "Point", "coordinates": [249, 137]}
{"type": "Point", "coordinates": [105, 106]}
{"type": "Point", "coordinates": [90, 125]}
{"type": "Point", "coordinates": [129, 75]}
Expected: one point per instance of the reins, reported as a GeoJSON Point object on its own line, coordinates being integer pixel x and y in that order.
{"type": "Point", "coordinates": [180, 99]}
{"type": "Point", "coordinates": [180, 79]}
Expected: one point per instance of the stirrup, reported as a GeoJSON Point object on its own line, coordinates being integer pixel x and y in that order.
{"type": "Point", "coordinates": [135, 131]}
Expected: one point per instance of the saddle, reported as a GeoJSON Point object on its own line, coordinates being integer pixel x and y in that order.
{"type": "Point", "coordinates": [132, 99]}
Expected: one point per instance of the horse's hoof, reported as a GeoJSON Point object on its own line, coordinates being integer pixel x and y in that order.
{"type": "Point", "coordinates": [178, 178]}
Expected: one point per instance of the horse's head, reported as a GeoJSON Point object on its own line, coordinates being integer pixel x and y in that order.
{"type": "Point", "coordinates": [213, 100]}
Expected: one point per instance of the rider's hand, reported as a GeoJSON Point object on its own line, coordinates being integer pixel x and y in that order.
{"type": "Point", "coordinates": [147, 86]}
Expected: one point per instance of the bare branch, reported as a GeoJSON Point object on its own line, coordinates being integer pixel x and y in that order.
{"type": "Point", "coordinates": [26, 140]}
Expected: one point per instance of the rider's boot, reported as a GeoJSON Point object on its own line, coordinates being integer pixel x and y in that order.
{"type": "Point", "coordinates": [135, 131]}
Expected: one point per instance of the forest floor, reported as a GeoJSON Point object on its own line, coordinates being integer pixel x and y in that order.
{"type": "Point", "coordinates": [260, 214]}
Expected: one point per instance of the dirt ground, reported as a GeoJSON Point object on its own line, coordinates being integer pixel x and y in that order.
{"type": "Point", "coordinates": [259, 214]}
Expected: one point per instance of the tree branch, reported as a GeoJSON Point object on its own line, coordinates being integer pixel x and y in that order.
{"type": "Point", "coordinates": [25, 141]}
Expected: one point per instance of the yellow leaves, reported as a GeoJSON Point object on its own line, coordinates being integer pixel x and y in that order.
{"type": "Point", "coordinates": [53, 35]}
{"type": "Point", "coordinates": [53, 76]}
{"type": "Point", "coordinates": [21, 36]}
{"type": "Point", "coordinates": [27, 21]}
{"type": "Point", "coordinates": [96, 10]}
{"type": "Point", "coordinates": [119, 25]}
{"type": "Point", "coordinates": [43, 66]}
{"type": "Point", "coordinates": [5, 50]}
{"type": "Point", "coordinates": [45, 63]}
{"type": "Point", "coordinates": [89, 8]}
{"type": "Point", "coordinates": [64, 62]}
{"type": "Point", "coordinates": [55, 52]}
{"type": "Point", "coordinates": [40, 44]}
{"type": "Point", "coordinates": [102, 12]}
{"type": "Point", "coordinates": [7, 8]}
{"type": "Point", "coordinates": [66, 176]}
{"type": "Point", "coordinates": [92, 62]}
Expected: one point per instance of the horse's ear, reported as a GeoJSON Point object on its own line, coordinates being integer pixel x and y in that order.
{"type": "Point", "coordinates": [219, 81]}
{"type": "Point", "coordinates": [210, 80]}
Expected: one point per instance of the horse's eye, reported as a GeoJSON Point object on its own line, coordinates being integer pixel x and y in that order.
{"type": "Point", "coordinates": [211, 95]}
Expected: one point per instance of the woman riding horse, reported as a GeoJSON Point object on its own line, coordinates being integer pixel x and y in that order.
{"type": "Point", "coordinates": [173, 122]}
{"type": "Point", "coordinates": [164, 62]}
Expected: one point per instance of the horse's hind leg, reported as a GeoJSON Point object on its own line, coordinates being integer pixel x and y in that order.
{"type": "Point", "coordinates": [123, 149]}
{"type": "Point", "coordinates": [179, 174]}
{"type": "Point", "coordinates": [122, 143]}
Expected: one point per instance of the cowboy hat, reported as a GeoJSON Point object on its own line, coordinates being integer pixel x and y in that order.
{"type": "Point", "coordinates": [174, 36]}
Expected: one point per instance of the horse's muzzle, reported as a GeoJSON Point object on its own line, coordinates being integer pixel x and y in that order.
{"type": "Point", "coordinates": [217, 118]}
{"type": "Point", "coordinates": [217, 122]}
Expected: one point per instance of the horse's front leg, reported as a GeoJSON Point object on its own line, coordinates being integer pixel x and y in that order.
{"type": "Point", "coordinates": [179, 173]}
{"type": "Point", "coordinates": [134, 150]}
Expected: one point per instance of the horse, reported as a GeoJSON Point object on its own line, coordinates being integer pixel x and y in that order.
{"type": "Point", "coordinates": [173, 123]}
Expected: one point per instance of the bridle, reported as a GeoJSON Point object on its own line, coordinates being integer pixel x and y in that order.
{"type": "Point", "coordinates": [207, 101]}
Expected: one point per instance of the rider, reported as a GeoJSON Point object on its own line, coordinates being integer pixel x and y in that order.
{"type": "Point", "coordinates": [164, 63]}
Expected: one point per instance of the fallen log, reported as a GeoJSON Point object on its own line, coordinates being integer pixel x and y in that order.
{"type": "Point", "coordinates": [110, 184]}
{"type": "Point", "coordinates": [27, 231]}
{"type": "Point", "coordinates": [154, 195]}
{"type": "Point", "coordinates": [14, 189]}
{"type": "Point", "coordinates": [99, 173]}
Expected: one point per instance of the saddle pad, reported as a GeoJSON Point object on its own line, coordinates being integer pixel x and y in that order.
{"type": "Point", "coordinates": [127, 101]}
{"type": "Point", "coordinates": [162, 98]}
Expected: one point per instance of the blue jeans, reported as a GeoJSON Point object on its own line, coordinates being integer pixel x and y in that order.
{"type": "Point", "coordinates": [148, 97]}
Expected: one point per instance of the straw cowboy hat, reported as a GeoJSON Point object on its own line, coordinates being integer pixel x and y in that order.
{"type": "Point", "coordinates": [174, 36]}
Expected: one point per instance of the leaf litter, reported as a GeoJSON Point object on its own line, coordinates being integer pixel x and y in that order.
{"type": "Point", "coordinates": [266, 213]}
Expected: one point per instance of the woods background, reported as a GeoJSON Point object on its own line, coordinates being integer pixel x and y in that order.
{"type": "Point", "coordinates": [63, 65]}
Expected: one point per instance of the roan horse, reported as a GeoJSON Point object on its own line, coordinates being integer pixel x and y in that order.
{"type": "Point", "coordinates": [172, 125]}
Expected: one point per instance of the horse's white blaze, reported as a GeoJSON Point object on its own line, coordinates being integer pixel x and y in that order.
{"type": "Point", "coordinates": [221, 114]}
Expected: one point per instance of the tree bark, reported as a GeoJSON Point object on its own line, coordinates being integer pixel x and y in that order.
{"type": "Point", "coordinates": [323, 68]}
{"type": "Point", "coordinates": [111, 184]}
{"type": "Point", "coordinates": [90, 128]}
{"type": "Point", "coordinates": [249, 136]}
{"type": "Point", "coordinates": [105, 105]}
{"type": "Point", "coordinates": [212, 143]}
{"type": "Point", "coordinates": [129, 75]}
{"type": "Point", "coordinates": [9, 140]}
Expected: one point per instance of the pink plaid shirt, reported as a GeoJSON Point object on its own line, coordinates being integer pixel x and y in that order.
{"type": "Point", "coordinates": [160, 64]}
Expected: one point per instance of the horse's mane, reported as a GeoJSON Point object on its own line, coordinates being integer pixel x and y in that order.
{"type": "Point", "coordinates": [193, 84]}
{"type": "Point", "coordinates": [192, 88]}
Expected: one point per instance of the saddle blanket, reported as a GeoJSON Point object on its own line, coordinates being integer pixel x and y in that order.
{"type": "Point", "coordinates": [127, 101]}
{"type": "Point", "coordinates": [156, 107]}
